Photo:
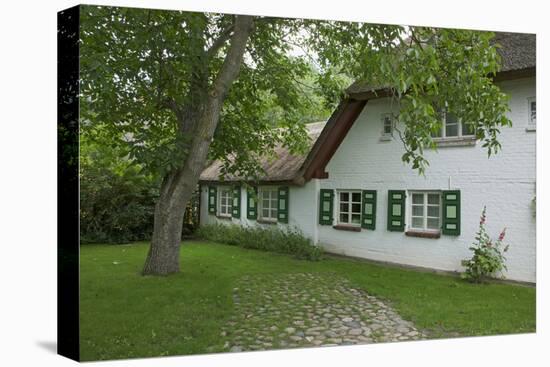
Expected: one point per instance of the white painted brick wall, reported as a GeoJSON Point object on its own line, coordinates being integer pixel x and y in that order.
{"type": "Point", "coordinates": [505, 183]}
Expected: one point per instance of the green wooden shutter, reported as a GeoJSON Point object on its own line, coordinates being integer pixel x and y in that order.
{"type": "Point", "coordinates": [282, 206]}
{"type": "Point", "coordinates": [212, 197]}
{"type": "Point", "coordinates": [326, 199]}
{"type": "Point", "coordinates": [236, 204]}
{"type": "Point", "coordinates": [396, 210]}
{"type": "Point", "coordinates": [451, 213]}
{"type": "Point", "coordinates": [251, 203]}
{"type": "Point", "coordinates": [368, 215]}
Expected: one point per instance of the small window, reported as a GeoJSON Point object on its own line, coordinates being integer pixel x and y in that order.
{"type": "Point", "coordinates": [225, 199]}
{"type": "Point", "coordinates": [453, 127]}
{"type": "Point", "coordinates": [425, 211]}
{"type": "Point", "coordinates": [387, 125]}
{"type": "Point", "coordinates": [349, 208]}
{"type": "Point", "coordinates": [268, 203]}
{"type": "Point", "coordinates": [532, 118]}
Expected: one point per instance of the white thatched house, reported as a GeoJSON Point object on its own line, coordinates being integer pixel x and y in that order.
{"type": "Point", "coordinates": [352, 194]}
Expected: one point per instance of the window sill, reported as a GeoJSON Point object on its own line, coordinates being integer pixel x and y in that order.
{"type": "Point", "coordinates": [455, 141]}
{"type": "Point", "coordinates": [266, 221]}
{"type": "Point", "coordinates": [423, 234]}
{"type": "Point", "coordinates": [385, 138]}
{"type": "Point", "coordinates": [531, 128]}
{"type": "Point", "coordinates": [342, 227]}
{"type": "Point", "coordinates": [225, 217]}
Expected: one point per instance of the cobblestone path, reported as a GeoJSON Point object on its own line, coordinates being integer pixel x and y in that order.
{"type": "Point", "coordinates": [306, 309]}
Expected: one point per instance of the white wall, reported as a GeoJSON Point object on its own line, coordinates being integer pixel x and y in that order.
{"type": "Point", "coordinates": [505, 183]}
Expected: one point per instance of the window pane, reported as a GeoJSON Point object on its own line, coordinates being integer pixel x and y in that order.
{"type": "Point", "coordinates": [273, 214]}
{"type": "Point", "coordinates": [452, 130]}
{"type": "Point", "coordinates": [356, 208]}
{"type": "Point", "coordinates": [343, 218]}
{"type": "Point", "coordinates": [417, 222]}
{"type": "Point", "coordinates": [387, 121]}
{"type": "Point", "coordinates": [418, 198]}
{"type": "Point", "coordinates": [344, 207]}
{"type": "Point", "coordinates": [433, 223]}
{"type": "Point", "coordinates": [344, 196]}
{"type": "Point", "coordinates": [467, 129]}
{"type": "Point", "coordinates": [433, 211]}
{"type": "Point", "coordinates": [356, 196]}
{"type": "Point", "coordinates": [437, 133]}
{"type": "Point", "coordinates": [433, 198]}
{"type": "Point", "coordinates": [533, 112]}
{"type": "Point", "coordinates": [418, 210]}
{"type": "Point", "coordinates": [356, 218]}
{"type": "Point", "coordinates": [265, 213]}
{"type": "Point", "coordinates": [450, 118]}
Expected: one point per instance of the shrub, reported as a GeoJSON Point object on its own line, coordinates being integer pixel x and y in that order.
{"type": "Point", "coordinates": [488, 258]}
{"type": "Point", "coordinates": [287, 241]}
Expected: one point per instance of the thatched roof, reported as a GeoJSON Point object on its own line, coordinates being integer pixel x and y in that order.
{"type": "Point", "coordinates": [517, 52]}
{"type": "Point", "coordinates": [281, 169]}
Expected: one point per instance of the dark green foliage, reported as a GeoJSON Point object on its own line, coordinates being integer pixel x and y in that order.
{"type": "Point", "coordinates": [117, 202]}
{"type": "Point", "coordinates": [286, 241]}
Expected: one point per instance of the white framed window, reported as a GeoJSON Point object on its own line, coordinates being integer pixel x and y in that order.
{"type": "Point", "coordinates": [453, 127]}
{"type": "Point", "coordinates": [387, 125]}
{"type": "Point", "coordinates": [349, 207]}
{"type": "Point", "coordinates": [225, 198]}
{"type": "Point", "coordinates": [532, 113]}
{"type": "Point", "coordinates": [425, 211]}
{"type": "Point", "coordinates": [267, 200]}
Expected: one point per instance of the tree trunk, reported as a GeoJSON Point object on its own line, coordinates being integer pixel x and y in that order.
{"type": "Point", "coordinates": [178, 186]}
{"type": "Point", "coordinates": [163, 256]}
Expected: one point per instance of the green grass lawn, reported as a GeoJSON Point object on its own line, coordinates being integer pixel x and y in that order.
{"type": "Point", "coordinates": [125, 315]}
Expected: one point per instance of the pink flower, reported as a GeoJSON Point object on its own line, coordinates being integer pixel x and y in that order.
{"type": "Point", "coordinates": [482, 221]}
{"type": "Point", "coordinates": [502, 234]}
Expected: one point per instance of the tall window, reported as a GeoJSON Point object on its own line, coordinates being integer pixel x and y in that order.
{"type": "Point", "coordinates": [532, 118]}
{"type": "Point", "coordinates": [349, 207]}
{"type": "Point", "coordinates": [425, 211]}
{"type": "Point", "coordinates": [387, 125]}
{"type": "Point", "coordinates": [268, 203]}
{"type": "Point", "coordinates": [453, 127]}
{"type": "Point", "coordinates": [225, 199]}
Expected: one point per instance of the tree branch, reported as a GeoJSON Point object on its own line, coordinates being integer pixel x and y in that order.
{"type": "Point", "coordinates": [224, 36]}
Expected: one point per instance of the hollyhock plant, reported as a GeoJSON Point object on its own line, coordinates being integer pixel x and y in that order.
{"type": "Point", "coordinates": [488, 259]}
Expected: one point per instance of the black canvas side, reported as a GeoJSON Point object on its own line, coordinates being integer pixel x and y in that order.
{"type": "Point", "coordinates": [67, 183]}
